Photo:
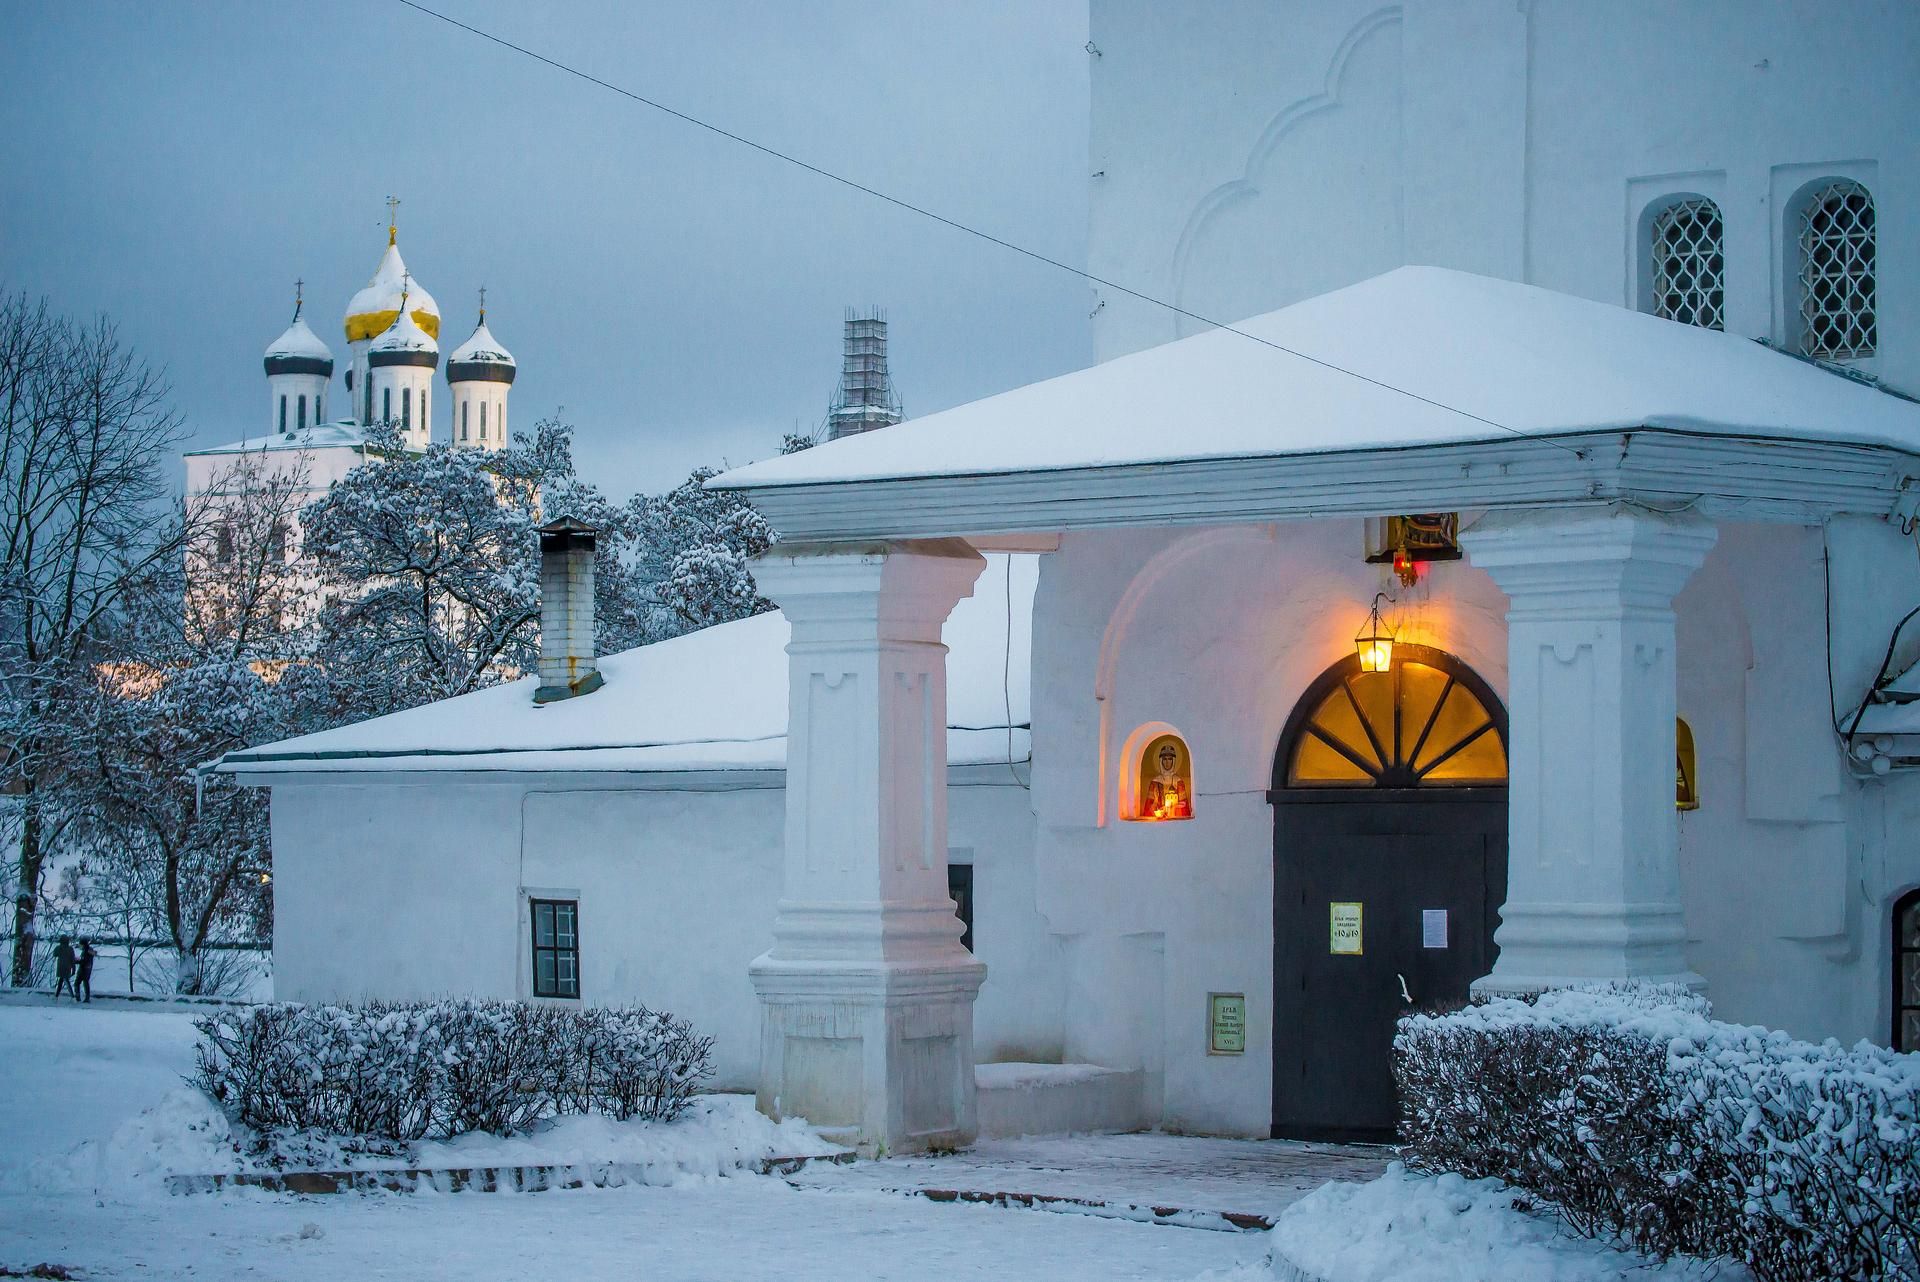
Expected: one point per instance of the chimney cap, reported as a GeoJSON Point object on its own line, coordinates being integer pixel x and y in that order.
{"type": "Point", "coordinates": [564, 532]}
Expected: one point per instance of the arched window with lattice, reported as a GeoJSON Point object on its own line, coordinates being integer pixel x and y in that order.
{"type": "Point", "coordinates": [1688, 257]}
{"type": "Point", "coordinates": [1839, 317]}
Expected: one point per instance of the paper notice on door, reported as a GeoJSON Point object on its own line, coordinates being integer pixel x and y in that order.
{"type": "Point", "coordinates": [1345, 923]}
{"type": "Point", "coordinates": [1433, 928]}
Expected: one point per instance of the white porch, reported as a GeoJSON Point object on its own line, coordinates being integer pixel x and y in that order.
{"type": "Point", "coordinates": [1596, 456]}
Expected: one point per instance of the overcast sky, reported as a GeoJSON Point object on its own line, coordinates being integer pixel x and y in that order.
{"type": "Point", "coordinates": [178, 166]}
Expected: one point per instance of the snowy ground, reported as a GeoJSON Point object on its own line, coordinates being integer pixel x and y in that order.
{"type": "Point", "coordinates": [76, 1075]}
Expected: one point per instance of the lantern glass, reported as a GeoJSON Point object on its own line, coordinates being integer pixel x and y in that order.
{"type": "Point", "coordinates": [1375, 641]}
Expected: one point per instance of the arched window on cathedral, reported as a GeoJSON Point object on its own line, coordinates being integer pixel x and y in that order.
{"type": "Point", "coordinates": [283, 415]}
{"type": "Point", "coordinates": [303, 412]}
{"type": "Point", "coordinates": [406, 407]}
{"type": "Point", "coordinates": [1689, 264]}
{"type": "Point", "coordinates": [464, 406]}
{"type": "Point", "coordinates": [319, 414]}
{"type": "Point", "coordinates": [483, 420]}
{"type": "Point", "coordinates": [1837, 278]}
{"type": "Point", "coordinates": [386, 404]}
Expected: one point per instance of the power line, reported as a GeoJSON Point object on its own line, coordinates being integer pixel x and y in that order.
{"type": "Point", "coordinates": [966, 229]}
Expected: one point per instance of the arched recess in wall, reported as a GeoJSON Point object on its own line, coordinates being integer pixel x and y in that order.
{"type": "Point", "coordinates": [1156, 775]}
{"type": "Point", "coordinates": [1155, 572]}
{"type": "Point", "coordinates": [1267, 235]}
{"type": "Point", "coordinates": [1831, 269]}
{"type": "Point", "coordinates": [1680, 249]}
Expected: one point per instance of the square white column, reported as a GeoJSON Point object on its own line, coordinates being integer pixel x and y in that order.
{"type": "Point", "coordinates": [867, 994]}
{"type": "Point", "coordinates": [1593, 878]}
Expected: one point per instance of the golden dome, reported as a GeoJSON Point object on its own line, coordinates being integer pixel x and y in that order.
{"type": "Point", "coordinates": [375, 308]}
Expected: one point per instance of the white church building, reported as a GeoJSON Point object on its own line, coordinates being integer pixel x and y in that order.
{"type": "Point", "coordinates": [1531, 615]}
{"type": "Point", "coordinates": [392, 329]}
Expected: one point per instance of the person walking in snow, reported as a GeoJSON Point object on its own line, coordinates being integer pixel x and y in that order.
{"type": "Point", "coordinates": [63, 967]}
{"type": "Point", "coordinates": [83, 972]}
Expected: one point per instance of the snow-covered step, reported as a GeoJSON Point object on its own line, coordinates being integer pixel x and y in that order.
{"type": "Point", "coordinates": [1056, 1099]}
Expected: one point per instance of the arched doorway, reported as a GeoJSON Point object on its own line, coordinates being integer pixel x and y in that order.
{"type": "Point", "coordinates": [1390, 866]}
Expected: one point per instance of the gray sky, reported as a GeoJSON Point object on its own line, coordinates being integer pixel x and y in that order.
{"type": "Point", "coordinates": [177, 166]}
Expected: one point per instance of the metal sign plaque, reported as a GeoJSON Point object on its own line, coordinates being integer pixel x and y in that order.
{"type": "Point", "coordinates": [1345, 936]}
{"type": "Point", "coordinates": [1226, 1023]}
{"type": "Point", "coordinates": [1433, 928]}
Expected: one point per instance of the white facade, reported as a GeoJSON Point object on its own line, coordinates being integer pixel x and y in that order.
{"type": "Point", "coordinates": [1275, 152]}
{"type": "Point", "coordinates": [1713, 535]}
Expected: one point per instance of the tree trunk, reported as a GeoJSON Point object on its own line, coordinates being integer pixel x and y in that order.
{"type": "Point", "coordinates": [26, 906]}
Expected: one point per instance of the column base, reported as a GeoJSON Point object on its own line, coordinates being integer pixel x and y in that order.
{"type": "Point", "coordinates": [878, 1056]}
{"type": "Point", "coordinates": [1549, 945]}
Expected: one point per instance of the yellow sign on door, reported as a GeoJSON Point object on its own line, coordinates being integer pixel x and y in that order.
{"type": "Point", "coordinates": [1345, 927]}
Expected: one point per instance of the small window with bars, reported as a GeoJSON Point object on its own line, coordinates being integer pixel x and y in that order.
{"type": "Point", "coordinates": [1690, 264]}
{"type": "Point", "coordinates": [1838, 303]}
{"type": "Point", "coordinates": [556, 947]}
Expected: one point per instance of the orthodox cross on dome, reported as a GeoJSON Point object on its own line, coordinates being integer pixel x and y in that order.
{"type": "Point", "coordinates": [406, 287]}
{"type": "Point", "coordinates": [298, 287]}
{"type": "Point", "coordinates": [393, 219]}
{"type": "Point", "coordinates": [483, 304]}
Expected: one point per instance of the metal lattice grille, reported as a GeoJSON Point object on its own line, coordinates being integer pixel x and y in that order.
{"type": "Point", "coordinates": [1690, 265]}
{"type": "Point", "coordinates": [1837, 304]}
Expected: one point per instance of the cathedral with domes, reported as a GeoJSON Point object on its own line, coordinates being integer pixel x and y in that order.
{"type": "Point", "coordinates": [317, 433]}
{"type": "Point", "coordinates": [392, 333]}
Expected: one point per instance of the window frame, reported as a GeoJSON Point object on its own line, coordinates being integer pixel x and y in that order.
{"type": "Point", "coordinates": [1799, 270]}
{"type": "Point", "coordinates": [1659, 215]}
{"type": "Point", "coordinates": [1909, 902]}
{"type": "Point", "coordinates": [535, 902]}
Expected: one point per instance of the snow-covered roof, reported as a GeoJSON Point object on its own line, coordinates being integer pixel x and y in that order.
{"type": "Point", "coordinates": [299, 340]}
{"type": "Point", "coordinates": [318, 436]}
{"type": "Point", "coordinates": [710, 700]}
{"type": "Point", "coordinates": [1472, 358]}
{"type": "Point", "coordinates": [371, 310]}
{"type": "Point", "coordinates": [405, 334]}
{"type": "Point", "coordinates": [482, 346]}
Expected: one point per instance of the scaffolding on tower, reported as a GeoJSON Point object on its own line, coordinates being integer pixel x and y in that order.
{"type": "Point", "coordinates": [865, 399]}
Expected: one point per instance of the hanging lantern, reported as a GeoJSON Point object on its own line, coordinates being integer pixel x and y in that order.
{"type": "Point", "coordinates": [1374, 641]}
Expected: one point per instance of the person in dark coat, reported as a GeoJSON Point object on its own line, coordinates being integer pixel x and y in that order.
{"type": "Point", "coordinates": [83, 973]}
{"type": "Point", "coordinates": [63, 967]}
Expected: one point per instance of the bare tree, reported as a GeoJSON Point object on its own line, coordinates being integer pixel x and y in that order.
{"type": "Point", "coordinates": [84, 434]}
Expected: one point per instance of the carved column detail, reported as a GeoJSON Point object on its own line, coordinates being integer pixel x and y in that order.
{"type": "Point", "coordinates": [867, 994]}
{"type": "Point", "coordinates": [1593, 881]}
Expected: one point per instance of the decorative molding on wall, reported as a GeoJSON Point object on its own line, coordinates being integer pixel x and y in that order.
{"type": "Point", "coordinates": [1283, 124]}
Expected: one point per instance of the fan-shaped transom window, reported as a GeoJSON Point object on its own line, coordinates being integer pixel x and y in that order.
{"type": "Point", "coordinates": [1838, 304]}
{"type": "Point", "coordinates": [1419, 724]}
{"type": "Point", "coordinates": [1689, 265]}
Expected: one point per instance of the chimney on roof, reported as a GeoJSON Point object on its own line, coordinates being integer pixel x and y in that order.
{"type": "Point", "coordinates": [567, 666]}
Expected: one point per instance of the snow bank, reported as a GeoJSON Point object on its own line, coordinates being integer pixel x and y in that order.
{"type": "Point", "coordinates": [1404, 1227]}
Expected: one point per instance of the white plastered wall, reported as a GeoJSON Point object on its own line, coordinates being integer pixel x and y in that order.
{"type": "Point", "coordinates": [414, 888]}
{"type": "Point", "coordinates": [1786, 867]}
{"type": "Point", "coordinates": [1276, 151]}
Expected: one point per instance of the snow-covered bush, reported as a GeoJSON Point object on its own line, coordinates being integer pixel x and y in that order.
{"type": "Point", "coordinates": [401, 1071]}
{"type": "Point", "coordinates": [1643, 1119]}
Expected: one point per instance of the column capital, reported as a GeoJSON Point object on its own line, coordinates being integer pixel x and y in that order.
{"type": "Point", "coordinates": [907, 588]}
{"type": "Point", "coordinates": [1609, 558]}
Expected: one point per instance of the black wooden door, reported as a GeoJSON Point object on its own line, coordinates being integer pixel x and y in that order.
{"type": "Point", "coordinates": [1419, 882]}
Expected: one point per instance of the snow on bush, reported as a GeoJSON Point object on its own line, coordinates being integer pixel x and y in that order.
{"type": "Point", "coordinates": [1643, 1119]}
{"type": "Point", "coordinates": [1405, 1227]}
{"type": "Point", "coordinates": [403, 1071]}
